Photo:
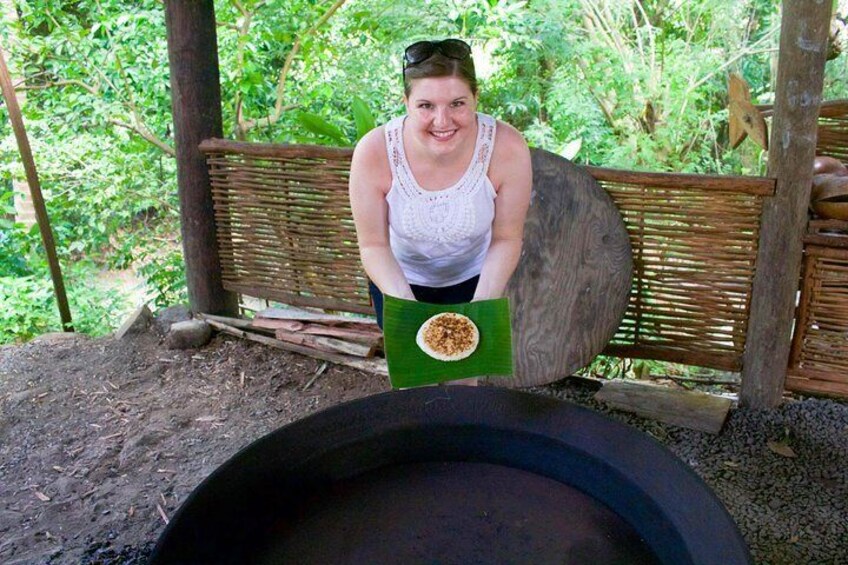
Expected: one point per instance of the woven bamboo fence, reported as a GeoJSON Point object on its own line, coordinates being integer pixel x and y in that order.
{"type": "Point", "coordinates": [694, 240]}
{"type": "Point", "coordinates": [832, 130]}
{"type": "Point", "coordinates": [285, 233]}
{"type": "Point", "coordinates": [285, 230]}
{"type": "Point", "coordinates": [818, 361]}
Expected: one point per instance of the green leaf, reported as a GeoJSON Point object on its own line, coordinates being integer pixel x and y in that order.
{"type": "Point", "coordinates": [409, 366]}
{"type": "Point", "coordinates": [363, 117]}
{"type": "Point", "coordinates": [319, 126]}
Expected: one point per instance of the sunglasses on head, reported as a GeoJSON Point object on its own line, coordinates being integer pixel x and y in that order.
{"type": "Point", "coordinates": [423, 50]}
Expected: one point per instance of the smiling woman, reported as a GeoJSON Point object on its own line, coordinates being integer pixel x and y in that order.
{"type": "Point", "coordinates": [439, 195]}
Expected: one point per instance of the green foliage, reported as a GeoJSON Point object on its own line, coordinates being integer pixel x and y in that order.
{"type": "Point", "coordinates": [363, 117]}
{"type": "Point", "coordinates": [28, 306]}
{"type": "Point", "coordinates": [321, 127]}
{"type": "Point", "coordinates": [165, 276]}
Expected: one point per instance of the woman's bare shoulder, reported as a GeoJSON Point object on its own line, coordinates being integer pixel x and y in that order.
{"type": "Point", "coordinates": [372, 145]}
{"type": "Point", "coordinates": [371, 161]}
{"type": "Point", "coordinates": [508, 140]}
{"type": "Point", "coordinates": [510, 155]}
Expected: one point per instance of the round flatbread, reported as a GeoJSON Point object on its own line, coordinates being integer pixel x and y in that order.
{"type": "Point", "coordinates": [448, 337]}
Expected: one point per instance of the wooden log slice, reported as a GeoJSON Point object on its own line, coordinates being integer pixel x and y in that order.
{"type": "Point", "coordinates": [571, 288]}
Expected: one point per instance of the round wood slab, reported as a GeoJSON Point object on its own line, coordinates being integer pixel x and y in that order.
{"type": "Point", "coordinates": [570, 290]}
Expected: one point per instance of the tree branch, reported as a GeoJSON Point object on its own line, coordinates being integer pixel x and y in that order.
{"type": "Point", "coordinates": [279, 108]}
{"type": "Point", "coordinates": [57, 83]}
{"type": "Point", "coordinates": [146, 134]}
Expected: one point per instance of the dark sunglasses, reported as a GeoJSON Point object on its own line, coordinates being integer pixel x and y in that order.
{"type": "Point", "coordinates": [422, 50]}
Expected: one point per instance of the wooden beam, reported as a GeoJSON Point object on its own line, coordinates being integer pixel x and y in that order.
{"type": "Point", "coordinates": [803, 45]}
{"type": "Point", "coordinates": [43, 220]}
{"type": "Point", "coordinates": [196, 104]}
{"type": "Point", "coordinates": [688, 409]}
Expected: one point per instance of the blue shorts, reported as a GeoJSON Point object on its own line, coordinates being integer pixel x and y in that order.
{"type": "Point", "coordinates": [454, 294]}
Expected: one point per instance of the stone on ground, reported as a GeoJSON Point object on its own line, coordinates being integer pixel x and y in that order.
{"type": "Point", "coordinates": [170, 315]}
{"type": "Point", "coordinates": [189, 334]}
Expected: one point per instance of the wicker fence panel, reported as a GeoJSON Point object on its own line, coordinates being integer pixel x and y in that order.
{"type": "Point", "coordinates": [285, 232]}
{"type": "Point", "coordinates": [694, 241]}
{"type": "Point", "coordinates": [833, 130]}
{"type": "Point", "coordinates": [285, 229]}
{"type": "Point", "coordinates": [819, 357]}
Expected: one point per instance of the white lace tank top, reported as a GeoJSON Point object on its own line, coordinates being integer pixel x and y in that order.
{"type": "Point", "coordinates": [440, 237]}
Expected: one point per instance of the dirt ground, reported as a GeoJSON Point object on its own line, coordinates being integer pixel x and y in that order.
{"type": "Point", "coordinates": [101, 440]}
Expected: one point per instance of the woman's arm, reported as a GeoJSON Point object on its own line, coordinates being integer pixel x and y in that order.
{"type": "Point", "coordinates": [514, 177]}
{"type": "Point", "coordinates": [370, 180]}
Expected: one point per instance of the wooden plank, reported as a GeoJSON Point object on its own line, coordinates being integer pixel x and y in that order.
{"type": "Point", "coordinates": [196, 105]}
{"type": "Point", "coordinates": [304, 315]}
{"type": "Point", "coordinates": [803, 44]}
{"type": "Point", "coordinates": [273, 150]}
{"type": "Point", "coordinates": [830, 108]}
{"type": "Point", "coordinates": [801, 318]}
{"type": "Point", "coordinates": [355, 334]}
{"type": "Point", "coordinates": [376, 366]}
{"type": "Point", "coordinates": [688, 409]}
{"type": "Point", "coordinates": [761, 186]}
{"type": "Point", "coordinates": [816, 386]}
{"type": "Point", "coordinates": [571, 287]}
{"type": "Point", "coordinates": [324, 343]}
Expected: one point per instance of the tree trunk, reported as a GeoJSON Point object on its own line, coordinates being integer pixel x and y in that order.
{"type": "Point", "coordinates": [196, 102]}
{"type": "Point", "coordinates": [803, 45]}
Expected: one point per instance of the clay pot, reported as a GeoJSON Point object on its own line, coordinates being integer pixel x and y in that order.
{"type": "Point", "coordinates": [831, 210]}
{"type": "Point", "coordinates": [828, 186]}
{"type": "Point", "coordinates": [829, 196]}
{"type": "Point", "coordinates": [828, 165]}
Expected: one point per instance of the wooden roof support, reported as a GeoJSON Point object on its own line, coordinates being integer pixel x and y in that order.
{"type": "Point", "coordinates": [196, 103]}
{"type": "Point", "coordinates": [803, 45]}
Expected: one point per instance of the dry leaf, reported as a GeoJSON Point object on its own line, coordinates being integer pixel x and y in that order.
{"type": "Point", "coordinates": [41, 496]}
{"type": "Point", "coordinates": [731, 464]}
{"type": "Point", "coordinates": [781, 449]}
{"type": "Point", "coordinates": [58, 469]}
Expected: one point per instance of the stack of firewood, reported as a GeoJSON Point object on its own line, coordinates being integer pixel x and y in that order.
{"type": "Point", "coordinates": [356, 342]}
{"type": "Point", "coordinates": [335, 334]}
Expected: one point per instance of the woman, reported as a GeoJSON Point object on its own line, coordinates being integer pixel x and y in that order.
{"type": "Point", "coordinates": [439, 196]}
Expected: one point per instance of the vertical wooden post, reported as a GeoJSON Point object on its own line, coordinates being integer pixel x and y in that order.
{"type": "Point", "coordinates": [43, 220]}
{"type": "Point", "coordinates": [196, 104]}
{"type": "Point", "coordinates": [803, 45]}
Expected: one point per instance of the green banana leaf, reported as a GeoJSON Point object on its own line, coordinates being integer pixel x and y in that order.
{"type": "Point", "coordinates": [319, 126]}
{"type": "Point", "coordinates": [362, 117]}
{"type": "Point", "coordinates": [409, 366]}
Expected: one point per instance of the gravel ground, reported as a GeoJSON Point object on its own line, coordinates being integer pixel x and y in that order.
{"type": "Point", "coordinates": [791, 510]}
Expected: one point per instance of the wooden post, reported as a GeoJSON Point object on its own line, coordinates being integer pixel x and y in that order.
{"type": "Point", "coordinates": [196, 103]}
{"type": "Point", "coordinates": [803, 45]}
{"type": "Point", "coordinates": [35, 191]}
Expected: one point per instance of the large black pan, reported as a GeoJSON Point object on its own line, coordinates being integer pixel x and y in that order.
{"type": "Point", "coordinates": [453, 475]}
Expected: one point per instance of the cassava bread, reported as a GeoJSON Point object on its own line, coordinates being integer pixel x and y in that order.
{"type": "Point", "coordinates": [448, 337]}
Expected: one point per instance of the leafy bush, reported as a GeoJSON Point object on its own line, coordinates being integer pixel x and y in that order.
{"type": "Point", "coordinates": [28, 306]}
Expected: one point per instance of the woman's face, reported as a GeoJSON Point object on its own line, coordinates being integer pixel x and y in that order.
{"type": "Point", "coordinates": [442, 113]}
